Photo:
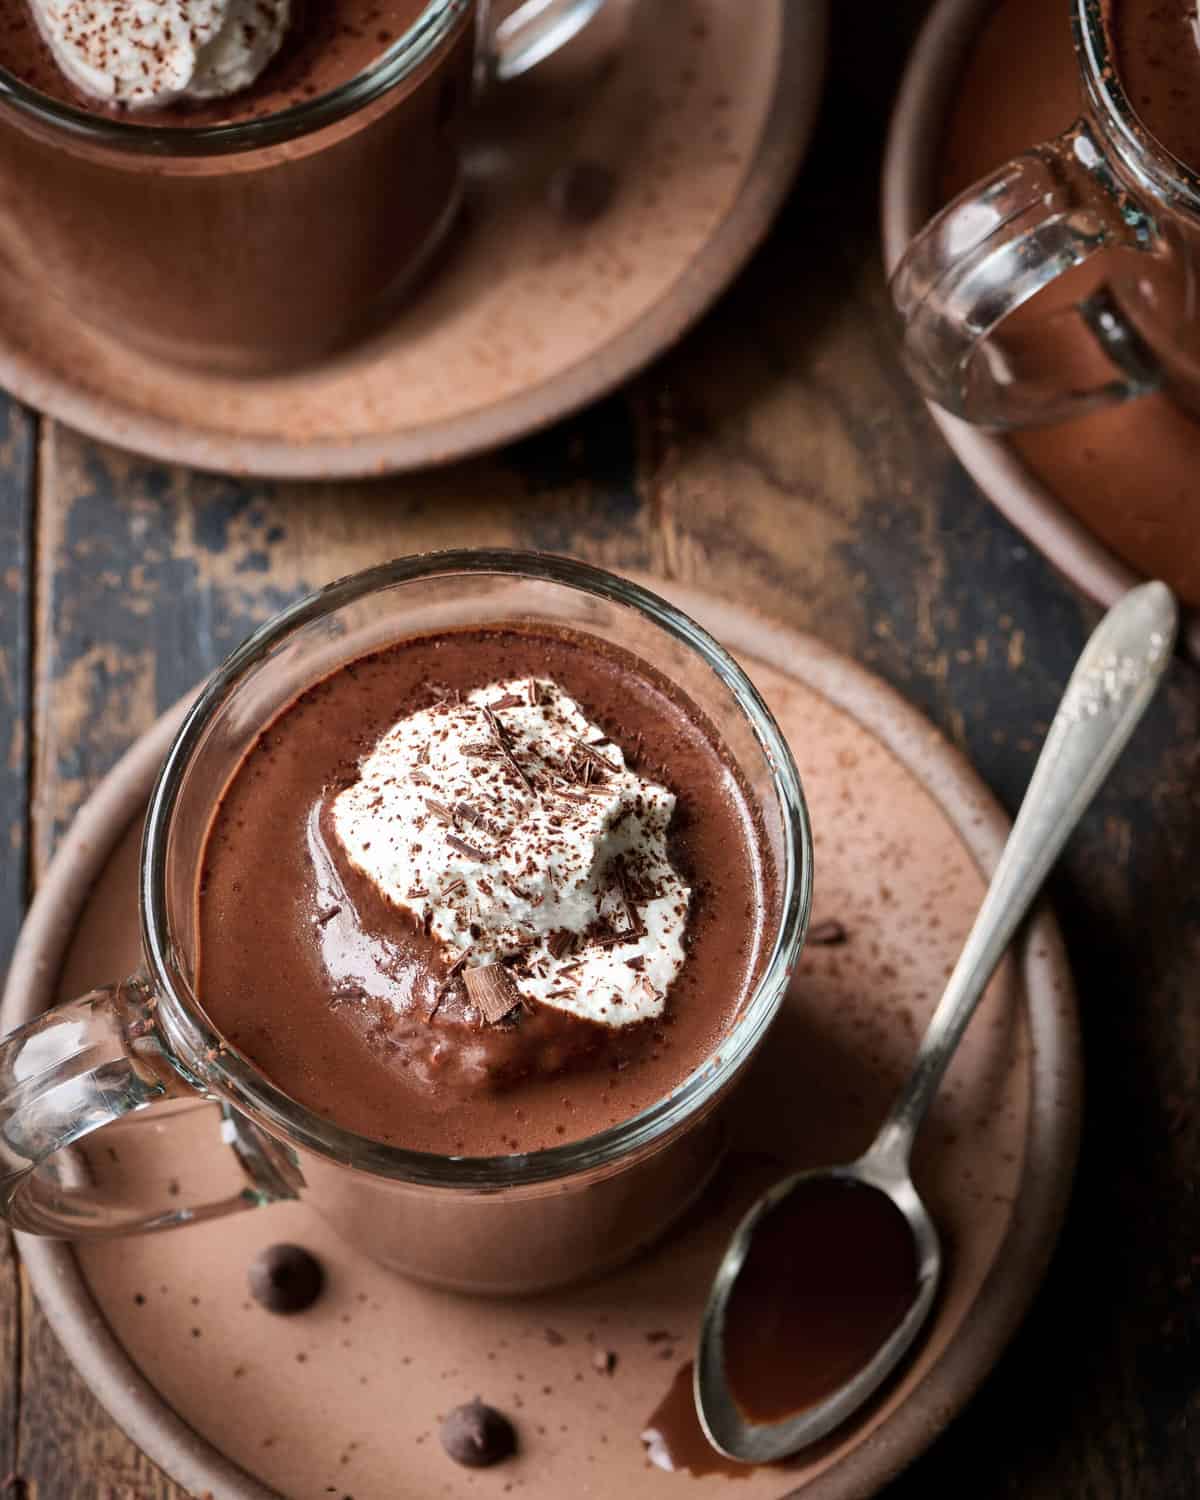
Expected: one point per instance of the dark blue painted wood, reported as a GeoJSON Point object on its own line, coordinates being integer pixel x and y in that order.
{"type": "Point", "coordinates": [18, 435]}
{"type": "Point", "coordinates": [17, 448]}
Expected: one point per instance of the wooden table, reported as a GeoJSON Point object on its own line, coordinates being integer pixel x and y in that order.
{"type": "Point", "coordinates": [778, 456]}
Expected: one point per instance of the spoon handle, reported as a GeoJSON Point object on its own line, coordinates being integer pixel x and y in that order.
{"type": "Point", "coordinates": [1110, 688]}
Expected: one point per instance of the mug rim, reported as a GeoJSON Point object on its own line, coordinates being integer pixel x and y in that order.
{"type": "Point", "coordinates": [432, 26]}
{"type": "Point", "coordinates": [1157, 170]}
{"type": "Point", "coordinates": [201, 1054]}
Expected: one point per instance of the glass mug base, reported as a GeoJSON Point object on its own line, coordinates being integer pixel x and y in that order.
{"type": "Point", "coordinates": [145, 1051]}
{"type": "Point", "coordinates": [499, 1245]}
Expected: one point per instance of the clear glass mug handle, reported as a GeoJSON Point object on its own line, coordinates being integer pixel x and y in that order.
{"type": "Point", "coordinates": [90, 1063]}
{"type": "Point", "coordinates": [987, 254]}
{"type": "Point", "coordinates": [525, 36]}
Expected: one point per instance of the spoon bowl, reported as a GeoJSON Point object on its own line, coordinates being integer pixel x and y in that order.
{"type": "Point", "coordinates": [1110, 689]}
{"type": "Point", "coordinates": [738, 1433]}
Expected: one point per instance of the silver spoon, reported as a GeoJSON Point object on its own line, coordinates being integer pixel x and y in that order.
{"type": "Point", "coordinates": [1112, 684]}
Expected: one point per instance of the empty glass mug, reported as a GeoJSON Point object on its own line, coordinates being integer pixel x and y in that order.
{"type": "Point", "coordinates": [1104, 185]}
{"type": "Point", "coordinates": [486, 1224]}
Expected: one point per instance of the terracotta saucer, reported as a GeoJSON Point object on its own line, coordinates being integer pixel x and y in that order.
{"type": "Point", "coordinates": [702, 114]}
{"type": "Point", "coordinates": [345, 1399]}
{"type": "Point", "coordinates": [1109, 498]}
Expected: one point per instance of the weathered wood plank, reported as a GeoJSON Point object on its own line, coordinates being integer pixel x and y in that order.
{"type": "Point", "coordinates": [17, 464]}
{"type": "Point", "coordinates": [149, 577]}
{"type": "Point", "coordinates": [18, 439]}
{"type": "Point", "coordinates": [780, 457]}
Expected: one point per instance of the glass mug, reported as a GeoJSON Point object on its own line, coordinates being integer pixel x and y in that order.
{"type": "Point", "coordinates": [258, 246]}
{"type": "Point", "coordinates": [1105, 184]}
{"type": "Point", "coordinates": [486, 1224]}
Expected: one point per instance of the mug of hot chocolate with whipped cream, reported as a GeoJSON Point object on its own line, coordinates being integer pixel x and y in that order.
{"type": "Point", "coordinates": [1119, 188]}
{"type": "Point", "coordinates": [470, 887]}
{"type": "Point", "coordinates": [243, 185]}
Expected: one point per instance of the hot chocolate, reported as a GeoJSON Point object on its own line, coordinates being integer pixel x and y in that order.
{"type": "Point", "coordinates": [207, 62]}
{"type": "Point", "coordinates": [483, 891]}
{"type": "Point", "coordinates": [222, 202]}
{"type": "Point", "coordinates": [1157, 50]}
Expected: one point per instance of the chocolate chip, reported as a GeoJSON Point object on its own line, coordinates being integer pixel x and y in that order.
{"type": "Point", "coordinates": [828, 934]}
{"type": "Point", "coordinates": [478, 1436]}
{"type": "Point", "coordinates": [285, 1278]}
{"type": "Point", "coordinates": [581, 191]}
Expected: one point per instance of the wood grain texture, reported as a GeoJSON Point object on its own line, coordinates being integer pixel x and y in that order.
{"type": "Point", "coordinates": [778, 456]}
{"type": "Point", "coordinates": [148, 577]}
{"type": "Point", "coordinates": [17, 470]}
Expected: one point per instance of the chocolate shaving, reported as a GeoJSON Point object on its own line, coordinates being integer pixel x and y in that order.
{"type": "Point", "coordinates": [470, 850]}
{"type": "Point", "coordinates": [533, 693]}
{"type": "Point", "coordinates": [447, 980]}
{"type": "Point", "coordinates": [514, 887]}
{"type": "Point", "coordinates": [615, 939]}
{"type": "Point", "coordinates": [482, 748]}
{"type": "Point", "coordinates": [468, 813]}
{"type": "Point", "coordinates": [440, 811]}
{"type": "Point", "coordinates": [828, 934]}
{"type": "Point", "coordinates": [417, 892]}
{"type": "Point", "coordinates": [510, 700]}
{"type": "Point", "coordinates": [635, 928]}
{"type": "Point", "coordinates": [637, 963]}
{"type": "Point", "coordinates": [493, 724]}
{"type": "Point", "coordinates": [454, 887]}
{"type": "Point", "coordinates": [491, 991]}
{"type": "Point", "coordinates": [328, 916]}
{"type": "Point", "coordinates": [602, 761]}
{"type": "Point", "coordinates": [560, 942]}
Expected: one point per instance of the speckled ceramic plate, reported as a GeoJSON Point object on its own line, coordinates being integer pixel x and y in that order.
{"type": "Point", "coordinates": [1110, 499]}
{"type": "Point", "coordinates": [701, 108]}
{"type": "Point", "coordinates": [345, 1400]}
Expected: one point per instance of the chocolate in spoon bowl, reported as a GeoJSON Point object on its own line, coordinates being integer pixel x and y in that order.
{"type": "Point", "coordinates": [831, 1275]}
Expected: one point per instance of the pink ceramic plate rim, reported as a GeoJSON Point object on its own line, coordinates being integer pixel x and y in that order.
{"type": "Point", "coordinates": [785, 137]}
{"type": "Point", "coordinates": [914, 138]}
{"type": "Point", "coordinates": [1055, 1099]}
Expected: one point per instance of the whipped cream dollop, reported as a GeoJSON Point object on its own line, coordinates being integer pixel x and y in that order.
{"type": "Point", "coordinates": [145, 53]}
{"type": "Point", "coordinates": [513, 830]}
